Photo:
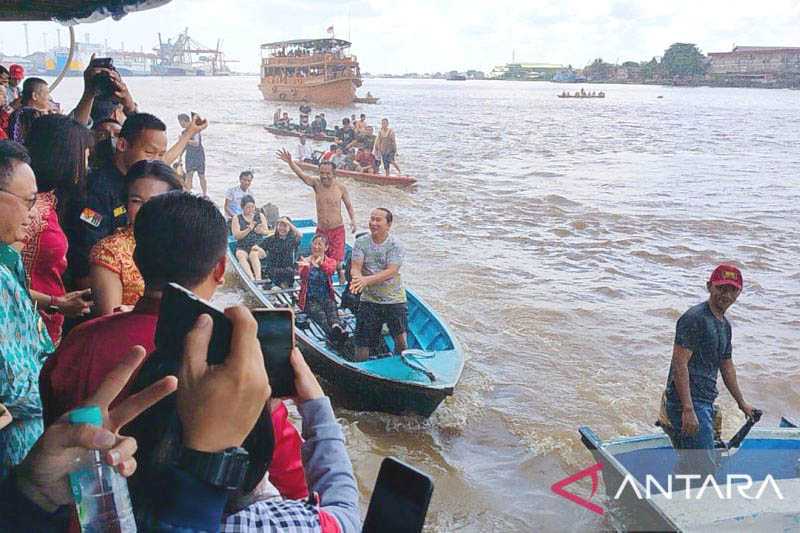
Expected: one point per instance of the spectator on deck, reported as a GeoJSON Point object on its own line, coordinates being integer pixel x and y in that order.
{"type": "Point", "coordinates": [4, 115]}
{"type": "Point", "coordinates": [34, 102]}
{"type": "Point", "coordinates": [164, 434]}
{"type": "Point", "coordinates": [25, 339]}
{"type": "Point", "coordinates": [234, 195]}
{"type": "Point", "coordinates": [281, 248]}
{"type": "Point", "coordinates": [375, 272]}
{"type": "Point", "coordinates": [143, 136]}
{"type": "Point", "coordinates": [249, 229]}
{"type": "Point", "coordinates": [58, 146]}
{"type": "Point", "coordinates": [15, 76]}
{"type": "Point", "coordinates": [195, 160]}
{"type": "Point", "coordinates": [114, 278]}
{"type": "Point", "coordinates": [323, 123]}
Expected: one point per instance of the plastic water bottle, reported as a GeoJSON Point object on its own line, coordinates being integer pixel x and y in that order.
{"type": "Point", "coordinates": [100, 492]}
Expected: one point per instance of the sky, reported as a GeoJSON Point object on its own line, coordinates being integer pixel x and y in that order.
{"type": "Point", "coordinates": [391, 36]}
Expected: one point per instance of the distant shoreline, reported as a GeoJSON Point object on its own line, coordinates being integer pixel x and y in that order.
{"type": "Point", "coordinates": [662, 83]}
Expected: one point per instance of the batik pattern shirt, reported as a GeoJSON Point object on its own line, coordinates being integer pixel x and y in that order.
{"type": "Point", "coordinates": [24, 344]}
{"type": "Point", "coordinates": [115, 253]}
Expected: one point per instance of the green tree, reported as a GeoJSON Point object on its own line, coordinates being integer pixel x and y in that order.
{"type": "Point", "coordinates": [599, 70]}
{"type": "Point", "coordinates": [684, 60]}
{"type": "Point", "coordinates": [650, 69]}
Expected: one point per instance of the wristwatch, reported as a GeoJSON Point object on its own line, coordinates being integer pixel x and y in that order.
{"type": "Point", "coordinates": [226, 469]}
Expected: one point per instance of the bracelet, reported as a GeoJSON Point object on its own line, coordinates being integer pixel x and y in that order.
{"type": "Point", "coordinates": [51, 307]}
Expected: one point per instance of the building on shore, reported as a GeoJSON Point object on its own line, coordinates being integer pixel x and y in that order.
{"type": "Point", "coordinates": [525, 71]}
{"type": "Point", "coordinates": [755, 64]}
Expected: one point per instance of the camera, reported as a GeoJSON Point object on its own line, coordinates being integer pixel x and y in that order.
{"type": "Point", "coordinates": [103, 85]}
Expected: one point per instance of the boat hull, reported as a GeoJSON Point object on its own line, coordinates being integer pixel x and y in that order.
{"type": "Point", "coordinates": [339, 92]}
{"type": "Point", "coordinates": [377, 178]}
{"type": "Point", "coordinates": [765, 452]}
{"type": "Point", "coordinates": [366, 100]}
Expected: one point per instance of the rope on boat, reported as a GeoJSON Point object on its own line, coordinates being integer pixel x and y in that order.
{"type": "Point", "coordinates": [407, 356]}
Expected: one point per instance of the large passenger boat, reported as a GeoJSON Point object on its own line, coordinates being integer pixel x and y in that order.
{"type": "Point", "coordinates": [319, 71]}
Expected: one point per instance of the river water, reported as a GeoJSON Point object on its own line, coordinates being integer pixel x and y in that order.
{"type": "Point", "coordinates": [561, 240]}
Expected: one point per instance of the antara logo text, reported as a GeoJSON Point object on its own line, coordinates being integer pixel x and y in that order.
{"type": "Point", "coordinates": [686, 486]}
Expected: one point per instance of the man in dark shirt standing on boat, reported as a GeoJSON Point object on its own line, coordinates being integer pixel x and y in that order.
{"type": "Point", "coordinates": [702, 349]}
{"type": "Point", "coordinates": [329, 195]}
{"type": "Point", "coordinates": [375, 272]}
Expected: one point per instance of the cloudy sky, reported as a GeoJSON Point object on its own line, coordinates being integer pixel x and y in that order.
{"type": "Point", "coordinates": [439, 35]}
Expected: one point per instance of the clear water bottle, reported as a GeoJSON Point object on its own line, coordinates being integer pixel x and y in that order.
{"type": "Point", "coordinates": [100, 492]}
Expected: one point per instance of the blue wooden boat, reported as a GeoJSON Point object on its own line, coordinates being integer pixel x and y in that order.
{"type": "Point", "coordinates": [764, 453]}
{"type": "Point", "coordinates": [415, 382]}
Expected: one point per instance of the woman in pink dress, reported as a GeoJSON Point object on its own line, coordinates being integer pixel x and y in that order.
{"type": "Point", "coordinates": [59, 148]}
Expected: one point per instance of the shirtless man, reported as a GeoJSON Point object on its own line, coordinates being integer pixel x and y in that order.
{"type": "Point", "coordinates": [329, 195]}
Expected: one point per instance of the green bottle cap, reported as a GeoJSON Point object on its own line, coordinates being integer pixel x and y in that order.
{"type": "Point", "coordinates": [86, 415]}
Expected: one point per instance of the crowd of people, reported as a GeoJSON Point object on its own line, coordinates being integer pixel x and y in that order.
{"type": "Point", "coordinates": [356, 146]}
{"type": "Point", "coordinates": [94, 222]}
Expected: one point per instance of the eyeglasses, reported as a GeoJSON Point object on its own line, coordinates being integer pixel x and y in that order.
{"type": "Point", "coordinates": [27, 202]}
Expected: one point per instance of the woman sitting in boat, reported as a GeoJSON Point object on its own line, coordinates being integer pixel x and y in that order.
{"type": "Point", "coordinates": [317, 298]}
{"type": "Point", "coordinates": [113, 276]}
{"type": "Point", "coordinates": [281, 248]}
{"type": "Point", "coordinates": [249, 230]}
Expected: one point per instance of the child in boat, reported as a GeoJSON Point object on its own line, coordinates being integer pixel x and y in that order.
{"type": "Point", "coordinates": [316, 287]}
{"type": "Point", "coordinates": [281, 248]}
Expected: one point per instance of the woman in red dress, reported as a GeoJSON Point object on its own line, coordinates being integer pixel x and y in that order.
{"type": "Point", "coordinates": [59, 148]}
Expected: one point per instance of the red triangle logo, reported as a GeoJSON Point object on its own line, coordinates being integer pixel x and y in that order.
{"type": "Point", "coordinates": [593, 472]}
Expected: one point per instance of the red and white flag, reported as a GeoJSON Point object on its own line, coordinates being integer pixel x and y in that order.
{"type": "Point", "coordinates": [330, 30]}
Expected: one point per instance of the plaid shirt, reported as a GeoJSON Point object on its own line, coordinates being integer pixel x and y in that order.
{"type": "Point", "coordinates": [275, 515]}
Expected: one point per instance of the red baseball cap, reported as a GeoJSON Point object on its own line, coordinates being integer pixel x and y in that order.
{"type": "Point", "coordinates": [16, 72]}
{"type": "Point", "coordinates": [727, 275]}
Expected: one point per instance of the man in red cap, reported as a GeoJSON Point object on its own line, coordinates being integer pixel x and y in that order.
{"type": "Point", "coordinates": [701, 351]}
{"type": "Point", "coordinates": [15, 75]}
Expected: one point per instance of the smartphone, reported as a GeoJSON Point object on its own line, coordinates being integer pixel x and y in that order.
{"type": "Point", "coordinates": [276, 336]}
{"type": "Point", "coordinates": [400, 499]}
{"type": "Point", "coordinates": [179, 311]}
{"type": "Point", "coordinates": [102, 62]}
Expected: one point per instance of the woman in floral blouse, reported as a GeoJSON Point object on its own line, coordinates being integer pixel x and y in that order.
{"type": "Point", "coordinates": [115, 280]}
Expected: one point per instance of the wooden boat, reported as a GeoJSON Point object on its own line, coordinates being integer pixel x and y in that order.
{"type": "Point", "coordinates": [415, 382]}
{"type": "Point", "coordinates": [378, 178]}
{"type": "Point", "coordinates": [284, 132]}
{"type": "Point", "coordinates": [318, 71]}
{"type": "Point", "coordinates": [630, 464]}
{"type": "Point", "coordinates": [601, 95]}
{"type": "Point", "coordinates": [365, 100]}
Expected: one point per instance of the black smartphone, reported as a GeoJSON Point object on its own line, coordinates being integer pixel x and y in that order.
{"type": "Point", "coordinates": [276, 336]}
{"type": "Point", "coordinates": [102, 62]}
{"type": "Point", "coordinates": [400, 499]}
{"type": "Point", "coordinates": [179, 311]}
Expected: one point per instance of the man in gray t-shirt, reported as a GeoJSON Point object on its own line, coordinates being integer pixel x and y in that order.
{"type": "Point", "coordinates": [375, 270]}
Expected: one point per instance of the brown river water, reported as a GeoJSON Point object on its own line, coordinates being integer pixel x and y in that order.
{"type": "Point", "coordinates": [561, 240]}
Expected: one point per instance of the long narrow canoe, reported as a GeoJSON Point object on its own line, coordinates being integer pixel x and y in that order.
{"type": "Point", "coordinates": [638, 472]}
{"type": "Point", "coordinates": [415, 382]}
{"type": "Point", "coordinates": [376, 178]}
{"type": "Point", "coordinates": [284, 132]}
{"type": "Point", "coordinates": [366, 100]}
